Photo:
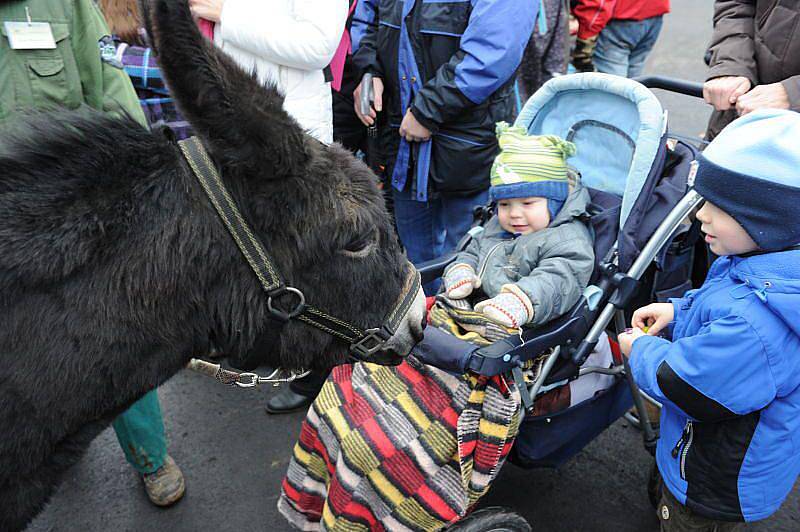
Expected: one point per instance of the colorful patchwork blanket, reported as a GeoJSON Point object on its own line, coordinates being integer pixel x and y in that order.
{"type": "Point", "coordinates": [409, 447]}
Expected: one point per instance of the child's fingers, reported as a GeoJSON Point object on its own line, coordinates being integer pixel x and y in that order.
{"type": "Point", "coordinates": [641, 318]}
{"type": "Point", "coordinates": [657, 326]}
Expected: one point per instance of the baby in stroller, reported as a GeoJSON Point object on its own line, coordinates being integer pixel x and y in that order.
{"type": "Point", "coordinates": [534, 259]}
{"type": "Point", "coordinates": [414, 446]}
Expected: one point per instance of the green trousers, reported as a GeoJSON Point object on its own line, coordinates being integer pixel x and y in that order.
{"type": "Point", "coordinates": [140, 431]}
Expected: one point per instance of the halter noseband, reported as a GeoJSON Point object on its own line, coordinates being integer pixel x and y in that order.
{"type": "Point", "coordinates": [363, 343]}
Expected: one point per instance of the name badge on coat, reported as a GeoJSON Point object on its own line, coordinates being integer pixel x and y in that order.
{"type": "Point", "coordinates": [30, 35]}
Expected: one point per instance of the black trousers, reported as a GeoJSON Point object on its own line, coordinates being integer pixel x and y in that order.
{"type": "Point", "coordinates": [310, 385]}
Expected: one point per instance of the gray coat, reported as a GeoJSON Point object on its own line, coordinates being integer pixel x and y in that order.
{"type": "Point", "coordinates": [551, 266]}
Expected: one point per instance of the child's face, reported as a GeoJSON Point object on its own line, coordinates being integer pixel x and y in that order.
{"type": "Point", "coordinates": [724, 235]}
{"type": "Point", "coordinates": [523, 215]}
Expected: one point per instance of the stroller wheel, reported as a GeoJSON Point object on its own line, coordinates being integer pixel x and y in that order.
{"type": "Point", "coordinates": [654, 486]}
{"type": "Point", "coordinates": [492, 519]}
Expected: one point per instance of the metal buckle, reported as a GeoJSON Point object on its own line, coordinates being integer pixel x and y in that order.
{"type": "Point", "coordinates": [370, 343]}
{"type": "Point", "coordinates": [251, 380]}
{"type": "Point", "coordinates": [281, 314]}
{"type": "Point", "coordinates": [246, 380]}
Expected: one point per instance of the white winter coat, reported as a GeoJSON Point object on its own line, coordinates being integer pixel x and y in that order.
{"type": "Point", "coordinates": [288, 42]}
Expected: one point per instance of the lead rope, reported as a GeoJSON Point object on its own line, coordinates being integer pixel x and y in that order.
{"type": "Point", "coordinates": [242, 380]}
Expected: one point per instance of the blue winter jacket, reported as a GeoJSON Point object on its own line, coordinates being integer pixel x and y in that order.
{"type": "Point", "coordinates": [452, 63]}
{"type": "Point", "coordinates": [730, 383]}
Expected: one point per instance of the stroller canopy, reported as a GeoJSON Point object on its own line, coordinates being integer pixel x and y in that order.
{"type": "Point", "coordinates": [616, 123]}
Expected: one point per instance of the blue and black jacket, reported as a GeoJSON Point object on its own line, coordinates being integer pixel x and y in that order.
{"type": "Point", "coordinates": [730, 384]}
{"type": "Point", "coordinates": [452, 62]}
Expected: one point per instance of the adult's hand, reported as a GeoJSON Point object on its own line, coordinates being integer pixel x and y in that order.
{"type": "Point", "coordinates": [724, 92]}
{"type": "Point", "coordinates": [207, 9]}
{"type": "Point", "coordinates": [772, 96]}
{"type": "Point", "coordinates": [412, 130]}
{"type": "Point", "coordinates": [583, 54]}
{"type": "Point", "coordinates": [377, 104]}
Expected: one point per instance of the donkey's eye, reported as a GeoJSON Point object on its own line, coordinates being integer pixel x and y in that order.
{"type": "Point", "coordinates": [361, 246]}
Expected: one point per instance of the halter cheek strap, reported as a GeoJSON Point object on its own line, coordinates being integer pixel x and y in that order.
{"type": "Point", "coordinates": [363, 344]}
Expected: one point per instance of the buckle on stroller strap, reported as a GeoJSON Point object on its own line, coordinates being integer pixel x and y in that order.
{"type": "Point", "coordinates": [519, 380]}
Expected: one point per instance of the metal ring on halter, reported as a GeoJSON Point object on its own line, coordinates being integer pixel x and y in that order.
{"type": "Point", "coordinates": [284, 315]}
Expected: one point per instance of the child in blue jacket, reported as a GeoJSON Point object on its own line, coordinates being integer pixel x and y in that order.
{"type": "Point", "coordinates": [729, 380]}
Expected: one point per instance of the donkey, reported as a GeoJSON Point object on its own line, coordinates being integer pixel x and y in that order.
{"type": "Point", "coordinates": [115, 269]}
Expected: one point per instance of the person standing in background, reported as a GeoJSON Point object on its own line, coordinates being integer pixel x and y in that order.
{"type": "Point", "coordinates": [443, 77]}
{"type": "Point", "coordinates": [286, 42]}
{"type": "Point", "coordinates": [545, 55]}
{"type": "Point", "coordinates": [78, 67]}
{"type": "Point", "coordinates": [753, 59]}
{"type": "Point", "coordinates": [139, 61]}
{"type": "Point", "coordinates": [290, 43]}
{"type": "Point", "coordinates": [628, 30]}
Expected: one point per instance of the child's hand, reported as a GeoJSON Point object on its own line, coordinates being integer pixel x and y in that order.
{"type": "Point", "coordinates": [511, 307]}
{"type": "Point", "coordinates": [654, 317]}
{"type": "Point", "coordinates": [460, 281]}
{"type": "Point", "coordinates": [627, 338]}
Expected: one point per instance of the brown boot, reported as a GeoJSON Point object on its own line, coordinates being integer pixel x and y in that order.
{"type": "Point", "coordinates": [165, 485]}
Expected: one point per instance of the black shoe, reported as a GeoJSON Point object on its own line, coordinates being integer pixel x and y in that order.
{"type": "Point", "coordinates": [286, 401]}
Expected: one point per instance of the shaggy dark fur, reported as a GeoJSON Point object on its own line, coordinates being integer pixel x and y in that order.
{"type": "Point", "coordinates": [115, 270]}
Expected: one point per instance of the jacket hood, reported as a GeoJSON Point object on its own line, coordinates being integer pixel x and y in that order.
{"type": "Point", "coordinates": [575, 205]}
{"type": "Point", "coordinates": [775, 279]}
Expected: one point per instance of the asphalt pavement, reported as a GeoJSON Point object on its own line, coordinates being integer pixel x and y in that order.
{"type": "Point", "coordinates": [234, 456]}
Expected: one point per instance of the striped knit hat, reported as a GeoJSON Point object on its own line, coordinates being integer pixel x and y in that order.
{"type": "Point", "coordinates": [531, 165]}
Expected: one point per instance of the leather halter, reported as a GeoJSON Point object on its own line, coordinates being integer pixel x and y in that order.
{"type": "Point", "coordinates": [363, 343]}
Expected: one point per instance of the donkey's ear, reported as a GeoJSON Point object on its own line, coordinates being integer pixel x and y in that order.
{"type": "Point", "coordinates": [242, 122]}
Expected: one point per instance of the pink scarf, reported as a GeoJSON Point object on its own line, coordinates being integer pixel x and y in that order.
{"type": "Point", "coordinates": [337, 63]}
{"type": "Point", "coordinates": [206, 28]}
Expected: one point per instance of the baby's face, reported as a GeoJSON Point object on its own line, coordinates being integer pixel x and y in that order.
{"type": "Point", "coordinates": [724, 235]}
{"type": "Point", "coordinates": [523, 215]}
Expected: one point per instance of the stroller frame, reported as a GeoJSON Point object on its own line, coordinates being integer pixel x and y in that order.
{"type": "Point", "coordinates": [588, 320]}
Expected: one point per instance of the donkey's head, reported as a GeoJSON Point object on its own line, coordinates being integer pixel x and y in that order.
{"type": "Point", "coordinates": [316, 208]}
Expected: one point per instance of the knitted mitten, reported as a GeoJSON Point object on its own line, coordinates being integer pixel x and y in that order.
{"type": "Point", "coordinates": [511, 307]}
{"type": "Point", "coordinates": [583, 54]}
{"type": "Point", "coordinates": [460, 281]}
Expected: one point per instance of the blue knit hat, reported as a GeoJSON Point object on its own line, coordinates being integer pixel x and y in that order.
{"type": "Point", "coordinates": [751, 170]}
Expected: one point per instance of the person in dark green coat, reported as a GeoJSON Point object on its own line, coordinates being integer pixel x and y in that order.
{"type": "Point", "coordinates": [59, 53]}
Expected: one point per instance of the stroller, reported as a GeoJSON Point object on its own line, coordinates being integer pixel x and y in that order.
{"type": "Point", "coordinates": [646, 248]}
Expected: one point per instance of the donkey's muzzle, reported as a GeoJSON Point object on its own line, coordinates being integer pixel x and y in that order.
{"type": "Point", "coordinates": [409, 331]}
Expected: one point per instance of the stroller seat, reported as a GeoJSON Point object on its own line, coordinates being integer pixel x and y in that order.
{"type": "Point", "coordinates": [636, 177]}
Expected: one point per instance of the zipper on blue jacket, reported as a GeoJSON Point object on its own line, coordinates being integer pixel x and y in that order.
{"type": "Point", "coordinates": [683, 445]}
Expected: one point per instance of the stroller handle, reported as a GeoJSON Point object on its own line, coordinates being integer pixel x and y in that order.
{"type": "Point", "coordinates": [680, 86]}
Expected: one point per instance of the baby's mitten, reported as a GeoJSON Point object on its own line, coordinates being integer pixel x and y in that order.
{"type": "Point", "coordinates": [511, 307]}
{"type": "Point", "coordinates": [460, 281]}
